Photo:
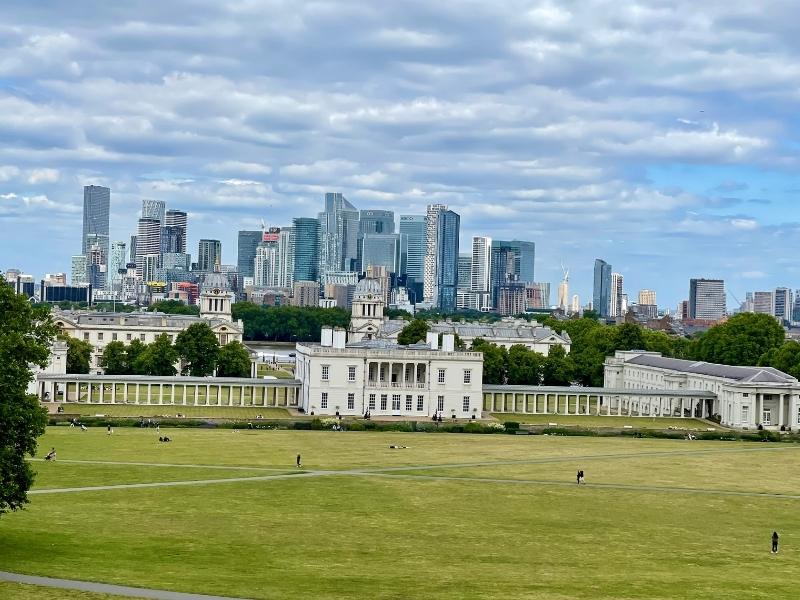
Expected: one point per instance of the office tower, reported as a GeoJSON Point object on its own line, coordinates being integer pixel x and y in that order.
{"type": "Point", "coordinates": [338, 233]}
{"type": "Point", "coordinates": [523, 255]}
{"type": "Point", "coordinates": [763, 303]}
{"type": "Point", "coordinates": [412, 241]}
{"type": "Point", "coordinates": [783, 305]}
{"type": "Point", "coordinates": [96, 264]}
{"type": "Point", "coordinates": [464, 271]}
{"type": "Point", "coordinates": [376, 221]}
{"type": "Point", "coordinates": [148, 241]}
{"type": "Point", "coordinates": [79, 264]}
{"type": "Point", "coordinates": [154, 209]}
{"type": "Point", "coordinates": [616, 306]}
{"type": "Point", "coordinates": [796, 307]}
{"type": "Point", "coordinates": [381, 250]}
{"type": "Point", "coordinates": [563, 291]}
{"type": "Point", "coordinates": [538, 295]}
{"type": "Point", "coordinates": [448, 230]}
{"type": "Point", "coordinates": [480, 279]}
{"type": "Point", "coordinates": [601, 292]}
{"type": "Point", "coordinates": [266, 271]}
{"type": "Point", "coordinates": [149, 267]}
{"type": "Point", "coordinates": [96, 211]}
{"type": "Point", "coordinates": [209, 255]}
{"type": "Point", "coordinates": [306, 249]}
{"type": "Point", "coordinates": [116, 263]}
{"type": "Point", "coordinates": [576, 304]}
{"type": "Point", "coordinates": [647, 297]}
{"type": "Point", "coordinates": [511, 298]}
{"type": "Point", "coordinates": [178, 218]}
{"type": "Point", "coordinates": [286, 251]}
{"type": "Point", "coordinates": [431, 277]}
{"type": "Point", "coordinates": [172, 240]}
{"type": "Point", "coordinates": [246, 251]}
{"type": "Point", "coordinates": [706, 299]}
{"type": "Point", "coordinates": [306, 293]}
{"type": "Point", "coordinates": [132, 250]}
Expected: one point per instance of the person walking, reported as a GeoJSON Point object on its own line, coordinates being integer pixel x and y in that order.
{"type": "Point", "coordinates": [298, 461]}
{"type": "Point", "coordinates": [774, 542]}
{"type": "Point", "coordinates": [578, 478]}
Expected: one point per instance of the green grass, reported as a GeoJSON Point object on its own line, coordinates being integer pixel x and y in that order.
{"type": "Point", "coordinates": [360, 536]}
{"type": "Point", "coordinates": [594, 421]}
{"type": "Point", "coordinates": [280, 374]}
{"type": "Point", "coordinates": [150, 410]}
{"type": "Point", "coordinates": [20, 591]}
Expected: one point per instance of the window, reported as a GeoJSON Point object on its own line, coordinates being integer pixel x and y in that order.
{"type": "Point", "coordinates": [465, 405]}
{"type": "Point", "coordinates": [745, 414]}
{"type": "Point", "coordinates": [99, 336]}
{"type": "Point", "coordinates": [324, 401]}
{"type": "Point", "coordinates": [440, 403]}
{"type": "Point", "coordinates": [326, 371]}
{"type": "Point", "coordinates": [372, 401]}
{"type": "Point", "coordinates": [798, 415]}
{"type": "Point", "coordinates": [128, 336]}
{"type": "Point", "coordinates": [420, 403]}
{"type": "Point", "coordinates": [766, 416]}
{"type": "Point", "coordinates": [441, 375]}
{"type": "Point", "coordinates": [86, 336]}
{"type": "Point", "coordinates": [351, 401]}
{"type": "Point", "coordinates": [409, 402]}
{"type": "Point", "coordinates": [113, 337]}
{"type": "Point", "coordinates": [745, 395]}
{"type": "Point", "coordinates": [383, 373]}
{"type": "Point", "coordinates": [351, 373]}
{"type": "Point", "coordinates": [395, 401]}
{"type": "Point", "coordinates": [467, 376]}
{"type": "Point", "coordinates": [141, 336]}
{"type": "Point", "coordinates": [384, 397]}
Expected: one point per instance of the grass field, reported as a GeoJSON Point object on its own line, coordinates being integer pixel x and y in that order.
{"type": "Point", "coordinates": [594, 421]}
{"type": "Point", "coordinates": [450, 516]}
{"type": "Point", "coordinates": [151, 410]}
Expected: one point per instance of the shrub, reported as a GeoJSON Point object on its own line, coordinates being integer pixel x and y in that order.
{"type": "Point", "coordinates": [511, 426]}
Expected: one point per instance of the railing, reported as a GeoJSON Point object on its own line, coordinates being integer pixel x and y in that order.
{"type": "Point", "coordinates": [396, 385]}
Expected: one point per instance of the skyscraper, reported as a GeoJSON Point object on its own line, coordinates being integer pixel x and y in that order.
{"type": "Point", "coordinates": [524, 258]}
{"type": "Point", "coordinates": [480, 279]}
{"type": "Point", "coordinates": [616, 307]}
{"type": "Point", "coordinates": [247, 246]}
{"type": "Point", "coordinates": [209, 255]}
{"type": "Point", "coordinates": [306, 249]}
{"type": "Point", "coordinates": [286, 249]}
{"type": "Point", "coordinates": [601, 296]}
{"type": "Point", "coordinates": [707, 299]}
{"type": "Point", "coordinates": [338, 232]}
{"type": "Point", "coordinates": [783, 305]}
{"type": "Point", "coordinates": [148, 242]}
{"type": "Point", "coordinates": [154, 209]}
{"type": "Point", "coordinates": [647, 297]}
{"type": "Point", "coordinates": [448, 230]}
{"type": "Point", "coordinates": [171, 239]}
{"type": "Point", "coordinates": [763, 303]}
{"type": "Point", "coordinates": [178, 218]}
{"type": "Point", "coordinates": [96, 211]}
{"type": "Point", "coordinates": [267, 264]}
{"type": "Point", "coordinates": [431, 277]}
{"type": "Point", "coordinates": [464, 271]}
{"type": "Point", "coordinates": [116, 262]}
{"type": "Point", "coordinates": [79, 269]}
{"type": "Point", "coordinates": [412, 242]}
{"type": "Point", "coordinates": [376, 221]}
{"type": "Point", "coordinates": [381, 249]}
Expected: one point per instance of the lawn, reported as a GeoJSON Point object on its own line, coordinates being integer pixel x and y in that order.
{"type": "Point", "coordinates": [594, 421]}
{"type": "Point", "coordinates": [153, 410]}
{"type": "Point", "coordinates": [375, 532]}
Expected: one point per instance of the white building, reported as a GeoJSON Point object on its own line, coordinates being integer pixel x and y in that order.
{"type": "Point", "coordinates": [740, 396]}
{"type": "Point", "coordinates": [386, 379]}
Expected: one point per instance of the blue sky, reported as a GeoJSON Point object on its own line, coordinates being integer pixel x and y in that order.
{"type": "Point", "coordinates": [660, 136]}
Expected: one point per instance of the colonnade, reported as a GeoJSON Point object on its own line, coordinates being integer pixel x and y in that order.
{"type": "Point", "coordinates": [399, 374]}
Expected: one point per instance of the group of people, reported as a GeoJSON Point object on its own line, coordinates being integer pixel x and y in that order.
{"type": "Point", "coordinates": [580, 477]}
{"type": "Point", "coordinates": [73, 422]}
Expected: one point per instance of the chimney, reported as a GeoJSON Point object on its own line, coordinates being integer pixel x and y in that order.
{"type": "Point", "coordinates": [339, 337]}
{"type": "Point", "coordinates": [327, 336]}
{"type": "Point", "coordinates": [448, 342]}
{"type": "Point", "coordinates": [432, 339]}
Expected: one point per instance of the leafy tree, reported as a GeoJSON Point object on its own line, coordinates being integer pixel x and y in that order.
{"type": "Point", "coordinates": [198, 347]}
{"type": "Point", "coordinates": [115, 359]}
{"type": "Point", "coordinates": [629, 337]}
{"type": "Point", "coordinates": [287, 323]}
{"type": "Point", "coordinates": [158, 358]}
{"type": "Point", "coordinates": [591, 314]}
{"type": "Point", "coordinates": [233, 361]}
{"type": "Point", "coordinates": [559, 368]}
{"type": "Point", "coordinates": [133, 351]}
{"type": "Point", "coordinates": [413, 332]}
{"type": "Point", "coordinates": [174, 307]}
{"type": "Point", "coordinates": [398, 313]}
{"type": "Point", "coordinates": [524, 366]}
{"type": "Point", "coordinates": [79, 355]}
{"type": "Point", "coordinates": [495, 361]}
{"type": "Point", "coordinates": [26, 333]}
{"type": "Point", "coordinates": [786, 358]}
{"type": "Point", "coordinates": [742, 340]}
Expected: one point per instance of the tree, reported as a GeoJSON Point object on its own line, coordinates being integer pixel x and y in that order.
{"type": "Point", "coordinates": [158, 358]}
{"type": "Point", "coordinates": [79, 355]}
{"type": "Point", "coordinates": [786, 358]}
{"type": "Point", "coordinates": [26, 333]}
{"type": "Point", "coordinates": [742, 340]}
{"type": "Point", "coordinates": [558, 369]}
{"type": "Point", "coordinates": [115, 359]}
{"type": "Point", "coordinates": [198, 347]}
{"type": "Point", "coordinates": [233, 361]}
{"type": "Point", "coordinates": [495, 361]}
{"type": "Point", "coordinates": [134, 350]}
{"type": "Point", "coordinates": [524, 366]}
{"type": "Point", "coordinates": [630, 337]}
{"type": "Point", "coordinates": [174, 307]}
{"type": "Point", "coordinates": [413, 332]}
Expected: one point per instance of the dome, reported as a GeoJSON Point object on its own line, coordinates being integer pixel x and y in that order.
{"type": "Point", "coordinates": [215, 281]}
{"type": "Point", "coordinates": [368, 289]}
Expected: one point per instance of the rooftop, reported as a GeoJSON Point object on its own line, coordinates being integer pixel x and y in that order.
{"type": "Point", "coordinates": [740, 374]}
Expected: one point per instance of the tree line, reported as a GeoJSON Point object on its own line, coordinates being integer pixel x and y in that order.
{"type": "Point", "coordinates": [287, 323]}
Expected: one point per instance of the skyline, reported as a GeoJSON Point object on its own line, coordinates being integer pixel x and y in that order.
{"type": "Point", "coordinates": [590, 142]}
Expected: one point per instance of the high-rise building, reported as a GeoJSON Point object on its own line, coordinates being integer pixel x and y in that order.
{"type": "Point", "coordinates": [306, 293]}
{"type": "Point", "coordinates": [148, 242]}
{"type": "Point", "coordinates": [338, 233]}
{"type": "Point", "coordinates": [209, 255]}
{"type": "Point", "coordinates": [178, 218]}
{"type": "Point", "coordinates": [782, 309]}
{"type": "Point", "coordinates": [79, 269]}
{"type": "Point", "coordinates": [267, 265]}
{"type": "Point", "coordinates": [132, 254]}
{"type": "Point", "coordinates": [563, 293]}
{"type": "Point", "coordinates": [172, 239]}
{"type": "Point", "coordinates": [763, 303]}
{"type": "Point", "coordinates": [247, 245]}
{"type": "Point", "coordinates": [480, 267]}
{"type": "Point", "coordinates": [431, 277]}
{"type": "Point", "coordinates": [796, 307]}
{"type": "Point", "coordinates": [617, 306]}
{"type": "Point", "coordinates": [306, 249]}
{"type": "Point", "coordinates": [154, 209]}
{"type": "Point", "coordinates": [511, 298]}
{"type": "Point", "coordinates": [448, 231]}
{"type": "Point", "coordinates": [647, 297]}
{"type": "Point", "coordinates": [523, 255]}
{"type": "Point", "coordinates": [96, 265]}
{"type": "Point", "coordinates": [538, 295]}
{"type": "Point", "coordinates": [286, 251]}
{"type": "Point", "coordinates": [116, 263]}
{"type": "Point", "coordinates": [150, 267]}
{"type": "Point", "coordinates": [576, 304]}
{"type": "Point", "coordinates": [96, 212]}
{"type": "Point", "coordinates": [412, 246]}
{"type": "Point", "coordinates": [707, 299]}
{"type": "Point", "coordinates": [381, 249]}
{"type": "Point", "coordinates": [464, 271]}
{"type": "Point", "coordinates": [601, 296]}
{"type": "Point", "coordinates": [376, 221]}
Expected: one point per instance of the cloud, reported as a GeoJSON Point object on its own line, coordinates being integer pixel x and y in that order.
{"type": "Point", "coordinates": [37, 176]}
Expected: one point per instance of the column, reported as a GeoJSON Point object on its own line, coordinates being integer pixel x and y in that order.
{"type": "Point", "coordinates": [196, 393]}
{"type": "Point", "coordinates": [619, 406]}
{"type": "Point", "coordinates": [149, 393]}
{"type": "Point", "coordinates": [241, 396]}
{"type": "Point", "coordinates": [89, 392]}
{"type": "Point", "coordinates": [172, 394]}
{"type": "Point", "coordinates": [161, 393]}
{"type": "Point", "coordinates": [184, 394]}
{"type": "Point", "coordinates": [113, 393]}
{"type": "Point", "coordinates": [781, 400]}
{"type": "Point", "coordinates": [125, 392]}
{"type": "Point", "coordinates": [208, 393]}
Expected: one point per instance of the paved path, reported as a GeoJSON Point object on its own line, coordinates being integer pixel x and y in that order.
{"type": "Point", "coordinates": [106, 588]}
{"type": "Point", "coordinates": [147, 464]}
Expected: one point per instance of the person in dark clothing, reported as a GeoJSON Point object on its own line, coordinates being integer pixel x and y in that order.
{"type": "Point", "coordinates": [298, 461]}
{"type": "Point", "coordinates": [774, 542]}
{"type": "Point", "coordinates": [578, 478]}
{"type": "Point", "coordinates": [51, 455]}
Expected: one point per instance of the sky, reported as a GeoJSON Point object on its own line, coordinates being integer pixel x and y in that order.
{"type": "Point", "coordinates": [660, 136]}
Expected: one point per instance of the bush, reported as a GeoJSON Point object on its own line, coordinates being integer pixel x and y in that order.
{"type": "Point", "coordinates": [511, 426]}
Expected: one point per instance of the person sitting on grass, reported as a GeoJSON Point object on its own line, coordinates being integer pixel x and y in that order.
{"type": "Point", "coordinates": [51, 455]}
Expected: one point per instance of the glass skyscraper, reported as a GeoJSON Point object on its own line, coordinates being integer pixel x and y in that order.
{"type": "Point", "coordinates": [247, 249]}
{"type": "Point", "coordinates": [306, 249]}
{"type": "Point", "coordinates": [412, 242]}
{"type": "Point", "coordinates": [96, 211]}
{"type": "Point", "coordinates": [448, 230]}
{"type": "Point", "coordinates": [381, 250]}
{"type": "Point", "coordinates": [338, 228]}
{"type": "Point", "coordinates": [707, 299]}
{"type": "Point", "coordinates": [209, 255]}
{"type": "Point", "coordinates": [178, 218]}
{"type": "Point", "coordinates": [601, 297]}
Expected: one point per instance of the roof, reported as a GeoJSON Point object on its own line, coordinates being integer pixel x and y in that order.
{"type": "Point", "coordinates": [740, 374]}
{"type": "Point", "coordinates": [138, 319]}
{"type": "Point", "coordinates": [523, 332]}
